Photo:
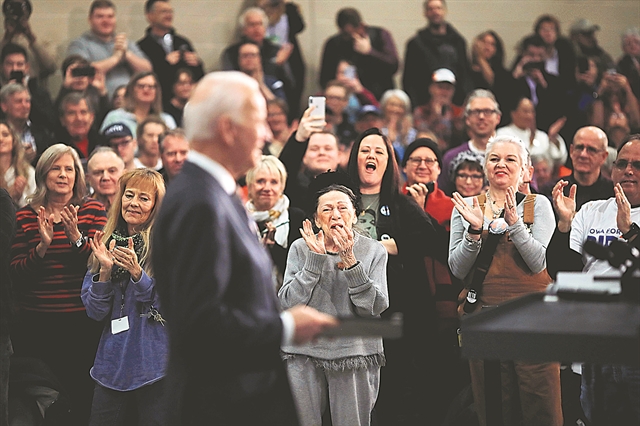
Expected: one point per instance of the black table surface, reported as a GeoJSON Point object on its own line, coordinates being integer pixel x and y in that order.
{"type": "Point", "coordinates": [532, 329]}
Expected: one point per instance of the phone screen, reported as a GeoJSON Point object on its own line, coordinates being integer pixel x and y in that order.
{"type": "Point", "coordinates": [319, 103]}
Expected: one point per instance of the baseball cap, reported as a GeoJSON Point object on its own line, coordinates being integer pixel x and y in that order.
{"type": "Point", "coordinates": [368, 109]}
{"type": "Point", "coordinates": [117, 130]}
{"type": "Point", "coordinates": [443, 75]}
{"type": "Point", "coordinates": [583, 26]}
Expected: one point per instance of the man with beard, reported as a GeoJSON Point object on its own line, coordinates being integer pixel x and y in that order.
{"type": "Point", "coordinates": [482, 115]}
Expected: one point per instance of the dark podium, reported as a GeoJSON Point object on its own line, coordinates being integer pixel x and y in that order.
{"type": "Point", "coordinates": [531, 329]}
{"type": "Point", "coordinates": [546, 328]}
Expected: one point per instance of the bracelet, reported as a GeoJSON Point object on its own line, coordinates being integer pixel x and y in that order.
{"type": "Point", "coordinates": [633, 230]}
{"type": "Point", "coordinates": [476, 243]}
{"type": "Point", "coordinates": [472, 231]}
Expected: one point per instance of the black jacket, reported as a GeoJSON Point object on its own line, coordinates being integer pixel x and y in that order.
{"type": "Point", "coordinates": [164, 70]}
{"type": "Point", "coordinates": [427, 52]}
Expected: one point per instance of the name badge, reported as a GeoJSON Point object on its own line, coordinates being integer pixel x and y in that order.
{"type": "Point", "coordinates": [119, 325]}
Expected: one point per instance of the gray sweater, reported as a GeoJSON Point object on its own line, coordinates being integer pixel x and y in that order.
{"type": "Point", "coordinates": [314, 279]}
{"type": "Point", "coordinates": [532, 245]}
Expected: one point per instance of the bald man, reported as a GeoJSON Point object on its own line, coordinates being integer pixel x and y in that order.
{"type": "Point", "coordinates": [215, 277]}
{"type": "Point", "coordinates": [588, 153]}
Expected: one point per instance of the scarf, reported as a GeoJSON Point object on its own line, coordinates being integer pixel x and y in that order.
{"type": "Point", "coordinates": [118, 273]}
{"type": "Point", "coordinates": [278, 215]}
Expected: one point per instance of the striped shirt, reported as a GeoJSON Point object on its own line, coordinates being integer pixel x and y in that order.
{"type": "Point", "coordinates": [52, 283]}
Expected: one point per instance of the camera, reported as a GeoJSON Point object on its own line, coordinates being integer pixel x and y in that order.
{"type": "Point", "coordinates": [16, 9]}
{"type": "Point", "coordinates": [533, 66]}
{"type": "Point", "coordinates": [583, 64]}
{"type": "Point", "coordinates": [84, 71]}
{"type": "Point", "coordinates": [18, 76]}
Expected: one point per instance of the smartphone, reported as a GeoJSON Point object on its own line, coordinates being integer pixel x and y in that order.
{"type": "Point", "coordinates": [85, 71]}
{"type": "Point", "coordinates": [319, 103]}
{"type": "Point", "coordinates": [533, 65]}
{"type": "Point", "coordinates": [17, 76]}
{"type": "Point", "coordinates": [583, 64]}
{"type": "Point", "coordinates": [350, 71]}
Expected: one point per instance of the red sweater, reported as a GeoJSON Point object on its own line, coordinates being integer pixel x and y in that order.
{"type": "Point", "coordinates": [52, 283]}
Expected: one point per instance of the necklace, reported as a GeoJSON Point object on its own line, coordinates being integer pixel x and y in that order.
{"type": "Point", "coordinates": [495, 213]}
{"type": "Point", "coordinates": [375, 201]}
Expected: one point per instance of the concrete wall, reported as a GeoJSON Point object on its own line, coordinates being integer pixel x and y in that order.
{"type": "Point", "coordinates": [211, 24]}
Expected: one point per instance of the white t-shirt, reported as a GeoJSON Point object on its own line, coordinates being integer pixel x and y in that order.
{"type": "Point", "coordinates": [596, 220]}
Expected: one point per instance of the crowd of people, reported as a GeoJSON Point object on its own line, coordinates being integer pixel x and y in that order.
{"type": "Point", "coordinates": [473, 175]}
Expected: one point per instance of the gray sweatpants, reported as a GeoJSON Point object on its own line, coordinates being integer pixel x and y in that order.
{"type": "Point", "coordinates": [351, 394]}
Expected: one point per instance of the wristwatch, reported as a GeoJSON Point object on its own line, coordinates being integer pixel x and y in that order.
{"type": "Point", "coordinates": [78, 243]}
{"type": "Point", "coordinates": [633, 231]}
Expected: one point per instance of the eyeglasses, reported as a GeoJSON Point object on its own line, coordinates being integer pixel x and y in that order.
{"type": "Point", "coordinates": [590, 149]}
{"type": "Point", "coordinates": [622, 164]}
{"type": "Point", "coordinates": [145, 86]}
{"type": "Point", "coordinates": [249, 55]}
{"type": "Point", "coordinates": [414, 161]}
{"type": "Point", "coordinates": [465, 176]}
{"type": "Point", "coordinates": [121, 144]}
{"type": "Point", "coordinates": [334, 98]}
{"type": "Point", "coordinates": [485, 112]}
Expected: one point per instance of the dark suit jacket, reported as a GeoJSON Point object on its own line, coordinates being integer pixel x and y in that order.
{"type": "Point", "coordinates": [214, 278]}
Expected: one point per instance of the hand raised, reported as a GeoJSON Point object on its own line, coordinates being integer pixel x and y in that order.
{"type": "Point", "coordinates": [418, 191]}
{"type": "Point", "coordinates": [623, 218]}
{"type": "Point", "coordinates": [510, 207]}
{"type": "Point", "coordinates": [45, 225]}
{"type": "Point", "coordinates": [565, 207]}
{"type": "Point", "coordinates": [308, 125]}
{"type": "Point", "coordinates": [69, 216]}
{"type": "Point", "coordinates": [474, 214]}
{"type": "Point", "coordinates": [314, 242]}
{"type": "Point", "coordinates": [101, 252]}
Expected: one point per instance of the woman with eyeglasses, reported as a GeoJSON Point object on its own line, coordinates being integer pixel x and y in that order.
{"type": "Point", "coordinates": [143, 97]}
{"type": "Point", "coordinates": [512, 231]}
{"type": "Point", "coordinates": [467, 174]}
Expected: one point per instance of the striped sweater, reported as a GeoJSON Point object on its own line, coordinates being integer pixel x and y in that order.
{"type": "Point", "coordinates": [52, 284]}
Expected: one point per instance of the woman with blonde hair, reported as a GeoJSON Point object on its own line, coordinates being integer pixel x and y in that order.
{"type": "Point", "coordinates": [17, 176]}
{"type": "Point", "coordinates": [119, 291]}
{"type": "Point", "coordinates": [48, 261]}
{"type": "Point", "coordinates": [398, 125]}
{"type": "Point", "coordinates": [142, 98]}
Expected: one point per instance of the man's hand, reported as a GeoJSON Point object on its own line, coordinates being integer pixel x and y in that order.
{"type": "Point", "coordinates": [309, 323]}
{"type": "Point", "coordinates": [361, 44]}
{"type": "Point", "coordinates": [191, 58]}
{"type": "Point", "coordinates": [308, 126]}
{"type": "Point", "coordinates": [565, 207]}
{"type": "Point", "coordinates": [283, 54]}
{"type": "Point", "coordinates": [623, 218]}
{"type": "Point", "coordinates": [173, 57]}
{"type": "Point", "coordinates": [120, 45]}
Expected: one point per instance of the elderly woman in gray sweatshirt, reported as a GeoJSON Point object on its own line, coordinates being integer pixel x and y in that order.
{"type": "Point", "coordinates": [342, 273]}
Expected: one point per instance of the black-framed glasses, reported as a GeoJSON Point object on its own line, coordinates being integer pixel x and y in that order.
{"type": "Point", "coordinates": [486, 112]}
{"type": "Point", "coordinates": [142, 86]}
{"type": "Point", "coordinates": [621, 164]}
{"type": "Point", "coordinates": [590, 149]}
{"type": "Point", "coordinates": [416, 161]}
{"type": "Point", "coordinates": [465, 176]}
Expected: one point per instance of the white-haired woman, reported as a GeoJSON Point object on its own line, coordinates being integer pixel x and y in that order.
{"type": "Point", "coordinates": [396, 114]}
{"type": "Point", "coordinates": [48, 261]}
{"type": "Point", "coordinates": [520, 227]}
{"type": "Point", "coordinates": [279, 224]}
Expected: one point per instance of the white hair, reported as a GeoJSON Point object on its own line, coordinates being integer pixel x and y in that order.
{"type": "Point", "coordinates": [243, 16]}
{"type": "Point", "coordinates": [523, 152]}
{"type": "Point", "coordinates": [218, 94]}
{"type": "Point", "coordinates": [395, 93]}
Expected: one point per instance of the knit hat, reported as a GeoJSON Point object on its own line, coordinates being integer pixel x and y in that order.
{"type": "Point", "coordinates": [419, 143]}
{"type": "Point", "coordinates": [463, 156]}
